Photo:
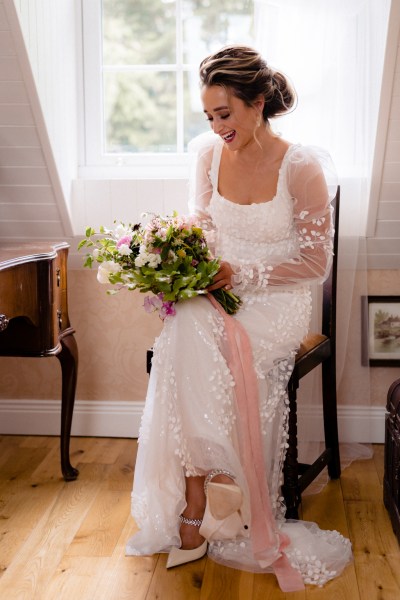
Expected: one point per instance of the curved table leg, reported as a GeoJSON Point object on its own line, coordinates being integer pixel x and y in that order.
{"type": "Point", "coordinates": [68, 358]}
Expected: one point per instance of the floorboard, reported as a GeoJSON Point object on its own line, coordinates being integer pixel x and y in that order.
{"type": "Point", "coordinates": [63, 540]}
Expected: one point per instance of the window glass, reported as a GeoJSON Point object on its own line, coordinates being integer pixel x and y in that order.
{"type": "Point", "coordinates": [140, 112]}
{"type": "Point", "coordinates": [151, 50]}
{"type": "Point", "coordinates": [214, 25]}
{"type": "Point", "coordinates": [139, 32]}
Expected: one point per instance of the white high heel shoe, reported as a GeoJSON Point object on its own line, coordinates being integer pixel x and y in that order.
{"type": "Point", "coordinates": [178, 556]}
{"type": "Point", "coordinates": [224, 499]}
{"type": "Point", "coordinates": [222, 518]}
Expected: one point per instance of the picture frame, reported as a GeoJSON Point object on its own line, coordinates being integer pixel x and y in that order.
{"type": "Point", "coordinates": [380, 331]}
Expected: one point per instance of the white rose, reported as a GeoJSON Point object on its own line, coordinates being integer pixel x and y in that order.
{"type": "Point", "coordinates": [121, 231]}
{"type": "Point", "coordinates": [140, 260]}
{"type": "Point", "coordinates": [154, 260]}
{"type": "Point", "coordinates": [106, 269]}
{"type": "Point", "coordinates": [124, 250]}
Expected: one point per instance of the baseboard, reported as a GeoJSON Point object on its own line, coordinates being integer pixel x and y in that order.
{"type": "Point", "coordinates": [104, 418]}
{"type": "Point", "coordinates": [356, 423]}
{"type": "Point", "coordinates": [98, 418]}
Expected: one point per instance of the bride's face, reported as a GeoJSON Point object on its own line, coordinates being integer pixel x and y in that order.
{"type": "Point", "coordinates": [230, 117]}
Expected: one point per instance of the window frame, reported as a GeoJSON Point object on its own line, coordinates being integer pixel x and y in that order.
{"type": "Point", "coordinates": [144, 165]}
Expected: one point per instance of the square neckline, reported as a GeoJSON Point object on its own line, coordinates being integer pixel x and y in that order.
{"type": "Point", "coordinates": [215, 163]}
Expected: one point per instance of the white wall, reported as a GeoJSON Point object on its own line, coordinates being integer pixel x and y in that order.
{"type": "Point", "coordinates": [383, 243]}
{"type": "Point", "coordinates": [51, 33]}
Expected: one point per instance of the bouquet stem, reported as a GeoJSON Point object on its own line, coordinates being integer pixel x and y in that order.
{"type": "Point", "coordinates": [228, 300]}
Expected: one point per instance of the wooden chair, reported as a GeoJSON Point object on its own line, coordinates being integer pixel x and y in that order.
{"type": "Point", "coordinates": [316, 349]}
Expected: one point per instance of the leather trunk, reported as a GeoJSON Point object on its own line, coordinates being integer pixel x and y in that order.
{"type": "Point", "coordinates": [391, 484]}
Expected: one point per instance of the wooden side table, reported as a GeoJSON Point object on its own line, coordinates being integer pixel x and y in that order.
{"type": "Point", "coordinates": [34, 319]}
{"type": "Point", "coordinates": [391, 482]}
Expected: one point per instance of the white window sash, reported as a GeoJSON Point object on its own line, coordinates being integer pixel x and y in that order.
{"type": "Point", "coordinates": [97, 162]}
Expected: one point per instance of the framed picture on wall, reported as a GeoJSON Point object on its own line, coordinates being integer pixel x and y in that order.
{"type": "Point", "coordinates": [381, 331]}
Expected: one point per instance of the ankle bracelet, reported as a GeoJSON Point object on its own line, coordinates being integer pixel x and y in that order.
{"type": "Point", "coordinates": [214, 473]}
{"type": "Point", "coordinates": [195, 522]}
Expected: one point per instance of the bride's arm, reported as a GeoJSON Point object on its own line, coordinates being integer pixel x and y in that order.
{"type": "Point", "coordinates": [200, 189]}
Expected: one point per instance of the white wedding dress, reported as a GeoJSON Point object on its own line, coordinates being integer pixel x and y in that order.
{"type": "Point", "coordinates": [192, 422]}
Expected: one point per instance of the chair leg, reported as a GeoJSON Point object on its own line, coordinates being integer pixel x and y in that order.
{"type": "Point", "coordinates": [149, 358]}
{"type": "Point", "coordinates": [330, 415]}
{"type": "Point", "coordinates": [290, 488]}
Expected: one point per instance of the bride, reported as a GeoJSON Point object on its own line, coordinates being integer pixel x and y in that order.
{"type": "Point", "coordinates": [213, 435]}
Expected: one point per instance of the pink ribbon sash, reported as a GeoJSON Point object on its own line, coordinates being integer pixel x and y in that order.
{"type": "Point", "coordinates": [267, 541]}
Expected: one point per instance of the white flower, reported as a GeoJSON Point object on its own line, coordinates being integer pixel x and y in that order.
{"type": "Point", "coordinates": [154, 260]}
{"type": "Point", "coordinates": [106, 269]}
{"type": "Point", "coordinates": [141, 259]}
{"type": "Point", "coordinates": [95, 253]}
{"type": "Point", "coordinates": [147, 258]}
{"type": "Point", "coordinates": [121, 231]}
{"type": "Point", "coordinates": [124, 250]}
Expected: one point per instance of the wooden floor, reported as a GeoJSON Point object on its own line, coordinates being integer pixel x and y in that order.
{"type": "Point", "coordinates": [66, 540]}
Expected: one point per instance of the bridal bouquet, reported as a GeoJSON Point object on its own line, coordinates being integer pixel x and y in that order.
{"type": "Point", "coordinates": [168, 256]}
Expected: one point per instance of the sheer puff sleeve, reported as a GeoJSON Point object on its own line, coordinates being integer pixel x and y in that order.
{"type": "Point", "coordinates": [201, 151]}
{"type": "Point", "coordinates": [311, 182]}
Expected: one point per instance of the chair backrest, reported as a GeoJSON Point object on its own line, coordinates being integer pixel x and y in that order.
{"type": "Point", "coordinates": [330, 284]}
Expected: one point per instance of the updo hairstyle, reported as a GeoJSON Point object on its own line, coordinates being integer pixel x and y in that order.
{"type": "Point", "coordinates": [244, 71]}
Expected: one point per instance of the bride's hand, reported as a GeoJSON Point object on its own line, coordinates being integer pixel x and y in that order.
{"type": "Point", "coordinates": [223, 278]}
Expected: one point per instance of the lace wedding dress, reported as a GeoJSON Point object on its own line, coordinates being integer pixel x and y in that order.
{"type": "Point", "coordinates": [196, 419]}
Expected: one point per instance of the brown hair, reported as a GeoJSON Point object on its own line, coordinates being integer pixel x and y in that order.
{"type": "Point", "coordinates": [246, 73]}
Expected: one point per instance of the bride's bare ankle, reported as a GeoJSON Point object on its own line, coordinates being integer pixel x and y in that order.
{"type": "Point", "coordinates": [192, 516]}
{"type": "Point", "coordinates": [189, 533]}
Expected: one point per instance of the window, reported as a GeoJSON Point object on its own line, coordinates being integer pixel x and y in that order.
{"type": "Point", "coordinates": [141, 73]}
{"type": "Point", "coordinates": [141, 60]}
